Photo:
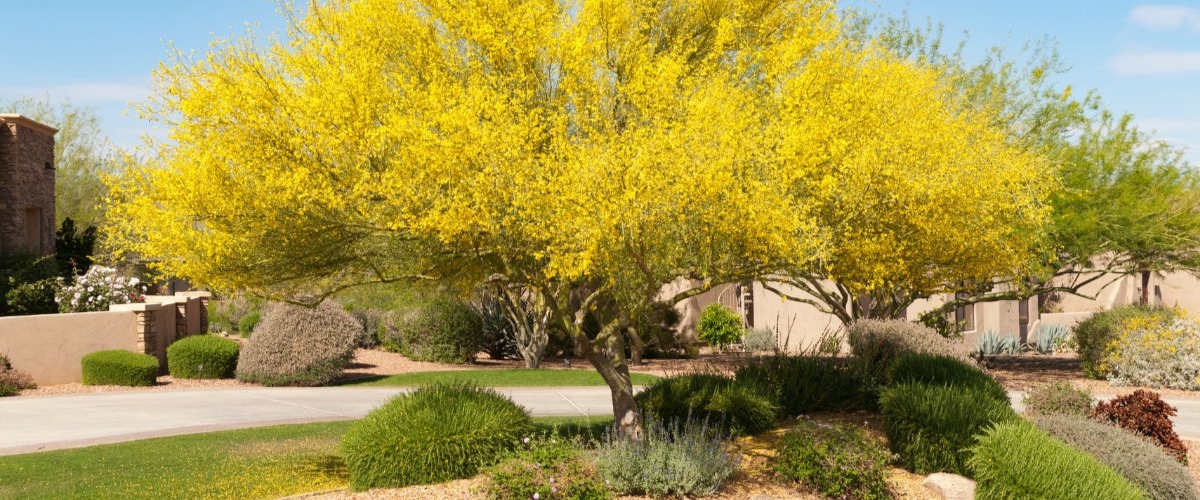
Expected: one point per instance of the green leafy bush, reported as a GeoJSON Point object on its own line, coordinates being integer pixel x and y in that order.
{"type": "Point", "coordinates": [119, 367]}
{"type": "Point", "coordinates": [34, 297]}
{"type": "Point", "coordinates": [546, 467]}
{"type": "Point", "coordinates": [1140, 461]}
{"type": "Point", "coordinates": [445, 331]}
{"type": "Point", "coordinates": [932, 427]}
{"type": "Point", "coordinates": [836, 461]}
{"type": "Point", "coordinates": [683, 457]}
{"type": "Point", "coordinates": [299, 346]}
{"type": "Point", "coordinates": [434, 434]}
{"type": "Point", "coordinates": [12, 380]}
{"type": "Point", "coordinates": [1060, 398]}
{"type": "Point", "coordinates": [248, 323]}
{"type": "Point", "coordinates": [744, 408]}
{"type": "Point", "coordinates": [938, 369]}
{"type": "Point", "coordinates": [876, 343]}
{"type": "Point", "coordinates": [1016, 461]}
{"type": "Point", "coordinates": [719, 326]}
{"type": "Point", "coordinates": [202, 356]}
{"type": "Point", "coordinates": [1152, 353]}
{"type": "Point", "coordinates": [803, 384]}
{"type": "Point", "coordinates": [23, 277]}
{"type": "Point", "coordinates": [1145, 414]}
{"type": "Point", "coordinates": [1093, 335]}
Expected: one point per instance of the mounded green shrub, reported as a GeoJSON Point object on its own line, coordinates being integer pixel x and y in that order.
{"type": "Point", "coordinates": [548, 468]}
{"type": "Point", "coordinates": [719, 326]}
{"type": "Point", "coordinates": [1060, 398]}
{"type": "Point", "coordinates": [803, 384]}
{"type": "Point", "coordinates": [249, 322]}
{"type": "Point", "coordinates": [678, 458]}
{"type": "Point", "coordinates": [434, 434]}
{"type": "Point", "coordinates": [1016, 461]}
{"type": "Point", "coordinates": [742, 408]}
{"type": "Point", "coordinates": [299, 346]}
{"type": "Point", "coordinates": [12, 380]}
{"type": "Point", "coordinates": [836, 461]}
{"type": "Point", "coordinates": [937, 369]}
{"type": "Point", "coordinates": [932, 427]}
{"type": "Point", "coordinates": [203, 356]}
{"type": "Point", "coordinates": [119, 367]}
{"type": "Point", "coordinates": [1140, 461]}
{"type": "Point", "coordinates": [877, 343]}
{"type": "Point", "coordinates": [1093, 336]}
{"type": "Point", "coordinates": [444, 331]}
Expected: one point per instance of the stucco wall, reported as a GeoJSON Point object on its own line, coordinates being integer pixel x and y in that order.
{"type": "Point", "coordinates": [49, 347]}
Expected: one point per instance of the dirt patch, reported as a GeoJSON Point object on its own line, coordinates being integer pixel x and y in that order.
{"type": "Point", "coordinates": [1025, 371]}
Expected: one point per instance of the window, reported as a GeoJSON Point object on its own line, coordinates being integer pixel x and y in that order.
{"type": "Point", "coordinates": [964, 316]}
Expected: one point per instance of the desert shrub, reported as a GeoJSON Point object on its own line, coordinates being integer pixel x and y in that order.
{"type": "Point", "coordinates": [759, 340]}
{"type": "Point", "coordinates": [546, 467]}
{"type": "Point", "coordinates": [877, 343]}
{"type": "Point", "coordinates": [802, 384]}
{"type": "Point", "coordinates": [938, 369]}
{"type": "Point", "coordinates": [299, 346]}
{"type": "Point", "coordinates": [1016, 461]}
{"type": "Point", "coordinates": [1060, 398]}
{"type": "Point", "coordinates": [498, 335]}
{"type": "Point", "coordinates": [932, 427]}
{"type": "Point", "coordinates": [12, 380]}
{"type": "Point", "coordinates": [1153, 353]}
{"type": "Point", "coordinates": [34, 297]}
{"type": "Point", "coordinates": [719, 326]}
{"type": "Point", "coordinates": [202, 356]}
{"type": "Point", "coordinates": [434, 434]}
{"type": "Point", "coordinates": [225, 314]}
{"type": "Point", "coordinates": [445, 331]}
{"type": "Point", "coordinates": [119, 367]}
{"type": "Point", "coordinates": [374, 324]}
{"type": "Point", "coordinates": [744, 408]}
{"type": "Point", "coordinates": [993, 343]}
{"type": "Point", "coordinates": [1093, 335]}
{"type": "Point", "coordinates": [1145, 414]}
{"type": "Point", "coordinates": [248, 323]}
{"type": "Point", "coordinates": [680, 457]}
{"type": "Point", "coordinates": [836, 461]}
{"type": "Point", "coordinates": [1140, 461]}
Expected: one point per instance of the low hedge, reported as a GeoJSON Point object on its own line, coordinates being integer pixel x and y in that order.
{"type": "Point", "coordinates": [119, 367]}
{"type": "Point", "coordinates": [932, 427]}
{"type": "Point", "coordinates": [202, 356]}
{"type": "Point", "coordinates": [434, 434]}
{"type": "Point", "coordinates": [939, 369]}
{"type": "Point", "coordinates": [742, 408]}
{"type": "Point", "coordinates": [1016, 461]}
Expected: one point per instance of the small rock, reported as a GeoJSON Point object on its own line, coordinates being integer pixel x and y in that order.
{"type": "Point", "coordinates": [950, 486]}
{"type": "Point", "coordinates": [761, 496]}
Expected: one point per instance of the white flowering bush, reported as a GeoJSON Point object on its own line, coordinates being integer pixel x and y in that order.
{"type": "Point", "coordinates": [97, 289]}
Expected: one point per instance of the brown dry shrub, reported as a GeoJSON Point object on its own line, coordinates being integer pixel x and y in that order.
{"type": "Point", "coordinates": [1145, 414]}
{"type": "Point", "coordinates": [299, 346]}
{"type": "Point", "coordinates": [877, 343]}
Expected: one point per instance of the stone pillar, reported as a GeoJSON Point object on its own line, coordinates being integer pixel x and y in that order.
{"type": "Point", "coordinates": [145, 329]}
{"type": "Point", "coordinates": [204, 298]}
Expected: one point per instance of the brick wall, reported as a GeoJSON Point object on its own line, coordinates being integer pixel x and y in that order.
{"type": "Point", "coordinates": [26, 185]}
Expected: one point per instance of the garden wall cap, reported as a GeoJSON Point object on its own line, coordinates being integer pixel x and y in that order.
{"type": "Point", "coordinates": [197, 293]}
{"type": "Point", "coordinates": [135, 307]}
{"type": "Point", "coordinates": [165, 299]}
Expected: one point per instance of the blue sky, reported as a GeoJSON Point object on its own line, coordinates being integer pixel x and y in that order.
{"type": "Point", "coordinates": [1143, 58]}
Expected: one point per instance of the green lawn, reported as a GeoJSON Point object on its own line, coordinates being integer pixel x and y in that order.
{"type": "Point", "coordinates": [514, 377]}
{"type": "Point", "coordinates": [264, 462]}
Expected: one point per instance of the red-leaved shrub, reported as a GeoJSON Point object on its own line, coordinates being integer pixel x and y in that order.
{"type": "Point", "coordinates": [1145, 414]}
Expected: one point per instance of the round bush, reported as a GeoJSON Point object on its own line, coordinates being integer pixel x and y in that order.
{"type": "Point", "coordinates": [931, 427]}
{"type": "Point", "coordinates": [202, 356]}
{"type": "Point", "coordinates": [119, 367]}
{"type": "Point", "coordinates": [299, 346]}
{"type": "Point", "coordinates": [877, 343]}
{"type": "Point", "coordinates": [718, 326]}
{"type": "Point", "coordinates": [1154, 353]}
{"type": "Point", "coordinates": [444, 331]}
{"type": "Point", "coordinates": [1059, 398]}
{"type": "Point", "coordinates": [744, 408]}
{"type": "Point", "coordinates": [838, 461]}
{"type": "Point", "coordinates": [1140, 461]}
{"type": "Point", "coordinates": [938, 369]}
{"type": "Point", "coordinates": [1094, 335]}
{"type": "Point", "coordinates": [434, 434]}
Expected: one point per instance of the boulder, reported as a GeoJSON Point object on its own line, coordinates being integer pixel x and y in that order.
{"type": "Point", "coordinates": [950, 486]}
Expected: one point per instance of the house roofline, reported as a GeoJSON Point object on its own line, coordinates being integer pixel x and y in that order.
{"type": "Point", "coordinates": [27, 122]}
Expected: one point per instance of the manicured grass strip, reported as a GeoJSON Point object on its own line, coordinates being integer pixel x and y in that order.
{"type": "Point", "coordinates": [263, 462]}
{"type": "Point", "coordinates": [515, 377]}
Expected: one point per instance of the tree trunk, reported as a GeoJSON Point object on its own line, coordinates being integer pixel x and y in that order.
{"type": "Point", "coordinates": [1145, 288]}
{"type": "Point", "coordinates": [627, 418]}
{"type": "Point", "coordinates": [637, 346]}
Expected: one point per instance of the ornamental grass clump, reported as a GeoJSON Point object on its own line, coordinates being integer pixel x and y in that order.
{"type": "Point", "coordinates": [1059, 398]}
{"type": "Point", "coordinates": [805, 383]}
{"type": "Point", "coordinates": [435, 434]}
{"type": "Point", "coordinates": [299, 346]}
{"type": "Point", "coordinates": [679, 457]}
{"type": "Point", "coordinates": [742, 408]}
{"type": "Point", "coordinates": [546, 468]}
{"type": "Point", "coordinates": [12, 380]}
{"type": "Point", "coordinates": [877, 343]}
{"type": "Point", "coordinates": [1152, 352]}
{"type": "Point", "coordinates": [119, 367]}
{"type": "Point", "coordinates": [939, 369]}
{"type": "Point", "coordinates": [203, 357]}
{"type": "Point", "coordinates": [836, 461]}
{"type": "Point", "coordinates": [1135, 458]}
{"type": "Point", "coordinates": [1145, 414]}
{"type": "Point", "coordinates": [1016, 461]}
{"type": "Point", "coordinates": [931, 427]}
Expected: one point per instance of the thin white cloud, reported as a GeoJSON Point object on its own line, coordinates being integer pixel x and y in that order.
{"type": "Point", "coordinates": [1154, 62]}
{"type": "Point", "coordinates": [84, 93]}
{"type": "Point", "coordinates": [1168, 17]}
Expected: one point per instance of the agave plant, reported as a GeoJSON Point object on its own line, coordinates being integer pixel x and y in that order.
{"type": "Point", "coordinates": [1048, 338]}
{"type": "Point", "coordinates": [992, 343]}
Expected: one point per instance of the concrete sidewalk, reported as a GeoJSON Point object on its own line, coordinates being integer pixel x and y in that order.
{"type": "Point", "coordinates": [57, 422]}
